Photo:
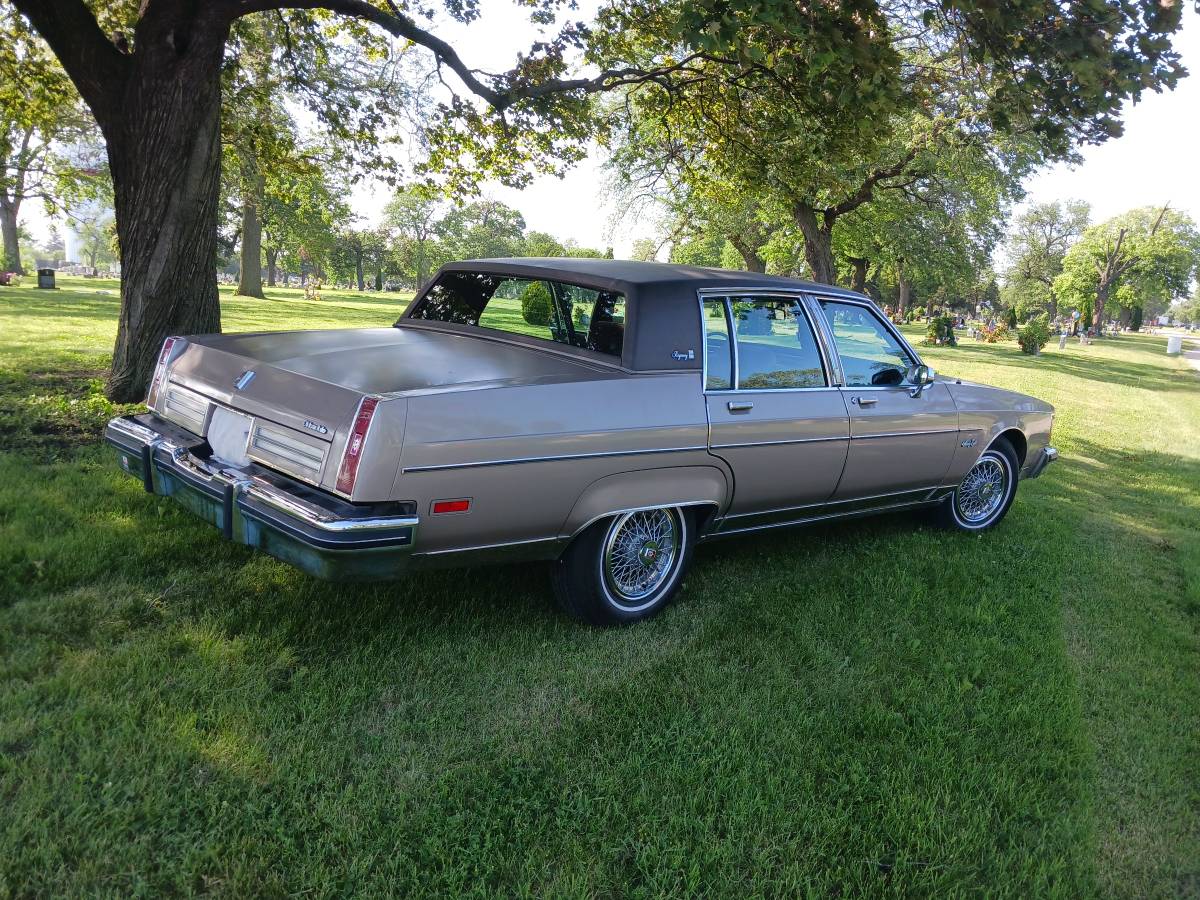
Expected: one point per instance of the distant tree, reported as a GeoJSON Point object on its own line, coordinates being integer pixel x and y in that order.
{"type": "Point", "coordinates": [539, 243]}
{"type": "Point", "coordinates": [39, 109]}
{"type": "Point", "coordinates": [412, 218]}
{"type": "Point", "coordinates": [644, 249]}
{"type": "Point", "coordinates": [1143, 255]}
{"type": "Point", "coordinates": [300, 217]}
{"type": "Point", "coordinates": [571, 248]}
{"type": "Point", "coordinates": [483, 229]}
{"type": "Point", "coordinates": [704, 250]}
{"type": "Point", "coordinates": [1037, 246]}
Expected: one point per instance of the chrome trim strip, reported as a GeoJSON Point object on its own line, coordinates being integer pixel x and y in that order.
{"type": "Point", "coordinates": [888, 434]}
{"type": "Point", "coordinates": [317, 518]}
{"type": "Point", "coordinates": [480, 547]}
{"type": "Point", "coordinates": [532, 459]}
{"type": "Point", "coordinates": [718, 392]}
{"type": "Point", "coordinates": [811, 440]}
{"type": "Point", "coordinates": [784, 509]}
{"type": "Point", "coordinates": [805, 521]}
{"type": "Point", "coordinates": [632, 509]}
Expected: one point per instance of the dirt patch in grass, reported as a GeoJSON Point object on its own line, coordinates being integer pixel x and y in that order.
{"type": "Point", "coordinates": [52, 414]}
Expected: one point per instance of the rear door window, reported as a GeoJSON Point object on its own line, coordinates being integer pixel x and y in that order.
{"type": "Point", "coordinates": [776, 347]}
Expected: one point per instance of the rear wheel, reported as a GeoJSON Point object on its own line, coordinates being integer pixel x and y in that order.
{"type": "Point", "coordinates": [986, 492]}
{"type": "Point", "coordinates": [625, 568]}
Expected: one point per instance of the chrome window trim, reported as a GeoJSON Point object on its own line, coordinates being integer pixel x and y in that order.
{"type": "Point", "coordinates": [519, 460]}
{"type": "Point", "coordinates": [724, 294]}
{"type": "Point", "coordinates": [873, 308]}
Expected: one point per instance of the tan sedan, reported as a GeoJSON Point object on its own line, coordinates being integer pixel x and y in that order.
{"type": "Point", "coordinates": [605, 415]}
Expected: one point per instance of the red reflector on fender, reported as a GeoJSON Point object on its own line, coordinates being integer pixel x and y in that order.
{"type": "Point", "coordinates": [449, 506]}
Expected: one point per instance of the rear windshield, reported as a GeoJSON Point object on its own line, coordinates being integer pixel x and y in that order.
{"type": "Point", "coordinates": [550, 310]}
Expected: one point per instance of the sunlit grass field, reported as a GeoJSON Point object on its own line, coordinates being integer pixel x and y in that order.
{"type": "Point", "coordinates": [874, 707]}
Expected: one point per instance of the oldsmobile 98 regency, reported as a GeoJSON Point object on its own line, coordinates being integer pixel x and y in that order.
{"type": "Point", "coordinates": [604, 415]}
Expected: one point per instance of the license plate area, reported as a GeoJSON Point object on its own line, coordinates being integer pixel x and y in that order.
{"type": "Point", "coordinates": [229, 436]}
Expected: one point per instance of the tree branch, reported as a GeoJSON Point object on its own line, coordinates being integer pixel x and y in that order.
{"type": "Point", "coordinates": [397, 23]}
{"type": "Point", "coordinates": [94, 64]}
{"type": "Point", "coordinates": [867, 189]}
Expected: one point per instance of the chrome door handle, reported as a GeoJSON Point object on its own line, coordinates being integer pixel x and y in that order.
{"type": "Point", "coordinates": [739, 405]}
{"type": "Point", "coordinates": [864, 401]}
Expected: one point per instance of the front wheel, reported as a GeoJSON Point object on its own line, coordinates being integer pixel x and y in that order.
{"type": "Point", "coordinates": [986, 492]}
{"type": "Point", "coordinates": [625, 568]}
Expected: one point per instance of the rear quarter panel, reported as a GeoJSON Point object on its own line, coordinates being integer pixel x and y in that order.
{"type": "Point", "coordinates": [525, 454]}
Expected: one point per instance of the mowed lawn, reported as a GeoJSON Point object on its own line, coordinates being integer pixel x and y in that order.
{"type": "Point", "coordinates": [874, 707]}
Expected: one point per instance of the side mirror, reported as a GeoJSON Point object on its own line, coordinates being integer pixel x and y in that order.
{"type": "Point", "coordinates": [920, 377]}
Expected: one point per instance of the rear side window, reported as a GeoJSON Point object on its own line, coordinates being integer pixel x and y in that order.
{"type": "Point", "coordinates": [549, 310]}
{"type": "Point", "coordinates": [718, 351]}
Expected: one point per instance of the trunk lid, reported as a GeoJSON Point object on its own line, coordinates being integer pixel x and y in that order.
{"type": "Point", "coordinates": [303, 388]}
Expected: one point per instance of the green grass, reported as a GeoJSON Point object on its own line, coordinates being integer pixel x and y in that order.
{"type": "Point", "coordinates": [869, 708]}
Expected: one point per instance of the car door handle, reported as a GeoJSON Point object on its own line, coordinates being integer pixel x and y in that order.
{"type": "Point", "coordinates": [864, 401]}
{"type": "Point", "coordinates": [740, 405]}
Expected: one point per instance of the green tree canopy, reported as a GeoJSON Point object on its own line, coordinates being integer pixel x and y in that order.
{"type": "Point", "coordinates": [1144, 256]}
{"type": "Point", "coordinates": [1037, 246]}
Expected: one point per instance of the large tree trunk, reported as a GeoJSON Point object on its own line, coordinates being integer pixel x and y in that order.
{"type": "Point", "coordinates": [165, 155]}
{"type": "Point", "coordinates": [250, 279]}
{"type": "Point", "coordinates": [11, 261]}
{"type": "Point", "coordinates": [379, 275]}
{"type": "Point", "coordinates": [358, 271]}
{"type": "Point", "coordinates": [859, 280]}
{"type": "Point", "coordinates": [272, 260]}
{"type": "Point", "coordinates": [905, 291]}
{"type": "Point", "coordinates": [749, 254]}
{"type": "Point", "coordinates": [1101, 300]}
{"type": "Point", "coordinates": [818, 243]}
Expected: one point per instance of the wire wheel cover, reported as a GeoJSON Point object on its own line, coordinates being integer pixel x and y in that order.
{"type": "Point", "coordinates": [982, 492]}
{"type": "Point", "coordinates": [640, 554]}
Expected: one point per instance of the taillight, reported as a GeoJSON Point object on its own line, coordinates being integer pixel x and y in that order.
{"type": "Point", "coordinates": [160, 370]}
{"type": "Point", "coordinates": [354, 444]}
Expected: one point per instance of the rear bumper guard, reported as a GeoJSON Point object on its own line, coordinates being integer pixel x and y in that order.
{"type": "Point", "coordinates": [323, 535]}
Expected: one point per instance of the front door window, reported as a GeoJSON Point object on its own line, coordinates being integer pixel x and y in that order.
{"type": "Point", "coordinates": [871, 356]}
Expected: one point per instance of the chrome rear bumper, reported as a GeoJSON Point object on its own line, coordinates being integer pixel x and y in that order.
{"type": "Point", "coordinates": [314, 531]}
{"type": "Point", "coordinates": [1044, 457]}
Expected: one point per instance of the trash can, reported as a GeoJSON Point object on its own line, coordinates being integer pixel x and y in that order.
{"type": "Point", "coordinates": [45, 278]}
{"type": "Point", "coordinates": [1174, 344]}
